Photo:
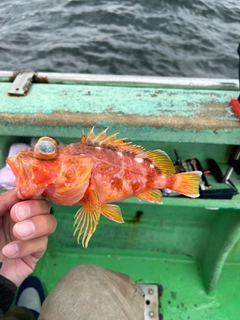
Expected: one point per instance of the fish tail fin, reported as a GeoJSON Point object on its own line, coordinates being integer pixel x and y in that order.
{"type": "Point", "coordinates": [186, 183]}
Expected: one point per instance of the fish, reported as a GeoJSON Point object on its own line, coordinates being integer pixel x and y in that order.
{"type": "Point", "coordinates": [94, 174]}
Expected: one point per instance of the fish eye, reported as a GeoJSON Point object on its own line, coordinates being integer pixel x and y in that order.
{"type": "Point", "coordinates": [46, 149]}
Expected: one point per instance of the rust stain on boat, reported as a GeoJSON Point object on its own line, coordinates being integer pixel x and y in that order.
{"type": "Point", "coordinates": [40, 79]}
{"type": "Point", "coordinates": [36, 78]}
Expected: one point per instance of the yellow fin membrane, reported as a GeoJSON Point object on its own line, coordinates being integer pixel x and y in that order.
{"type": "Point", "coordinates": [187, 183]}
{"type": "Point", "coordinates": [161, 161]}
{"type": "Point", "coordinates": [112, 212]}
{"type": "Point", "coordinates": [153, 195]}
{"type": "Point", "coordinates": [87, 217]}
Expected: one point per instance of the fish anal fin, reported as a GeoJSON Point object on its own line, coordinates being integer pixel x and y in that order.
{"type": "Point", "coordinates": [154, 195]}
{"type": "Point", "coordinates": [87, 217]}
{"type": "Point", "coordinates": [161, 161]}
{"type": "Point", "coordinates": [112, 212]}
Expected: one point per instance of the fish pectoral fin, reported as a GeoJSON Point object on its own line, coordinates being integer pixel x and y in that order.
{"type": "Point", "coordinates": [112, 212]}
{"type": "Point", "coordinates": [85, 224]}
{"type": "Point", "coordinates": [87, 217]}
{"type": "Point", "coordinates": [153, 195]}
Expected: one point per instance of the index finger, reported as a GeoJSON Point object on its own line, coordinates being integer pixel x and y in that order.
{"type": "Point", "coordinates": [29, 208]}
{"type": "Point", "coordinates": [7, 200]}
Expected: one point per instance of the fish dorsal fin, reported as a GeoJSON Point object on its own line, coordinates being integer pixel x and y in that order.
{"type": "Point", "coordinates": [102, 139]}
{"type": "Point", "coordinates": [160, 160]}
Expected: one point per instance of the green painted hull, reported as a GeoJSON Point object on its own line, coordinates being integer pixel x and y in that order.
{"type": "Point", "coordinates": [189, 247]}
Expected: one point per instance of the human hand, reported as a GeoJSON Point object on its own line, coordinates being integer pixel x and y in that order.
{"type": "Point", "coordinates": [24, 229]}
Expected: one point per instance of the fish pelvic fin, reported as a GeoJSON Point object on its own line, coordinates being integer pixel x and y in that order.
{"type": "Point", "coordinates": [112, 212]}
{"type": "Point", "coordinates": [87, 217]}
{"type": "Point", "coordinates": [186, 183]}
{"type": "Point", "coordinates": [153, 195]}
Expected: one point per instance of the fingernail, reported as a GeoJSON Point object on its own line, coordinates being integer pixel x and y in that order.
{"type": "Point", "coordinates": [23, 212]}
{"type": "Point", "coordinates": [25, 228]}
{"type": "Point", "coordinates": [10, 249]}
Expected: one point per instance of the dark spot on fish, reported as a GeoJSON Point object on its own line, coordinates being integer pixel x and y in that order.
{"type": "Point", "coordinates": [117, 183]}
{"type": "Point", "coordinates": [129, 154]}
{"type": "Point", "coordinates": [136, 186]}
{"type": "Point", "coordinates": [109, 146]}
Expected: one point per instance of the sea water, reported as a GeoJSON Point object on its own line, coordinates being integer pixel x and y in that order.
{"type": "Point", "coordinates": [181, 38]}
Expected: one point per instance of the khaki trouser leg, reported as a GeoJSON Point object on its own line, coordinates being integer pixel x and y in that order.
{"type": "Point", "coordinates": [88, 292]}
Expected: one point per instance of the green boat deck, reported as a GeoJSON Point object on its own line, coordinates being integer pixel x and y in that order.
{"type": "Point", "coordinates": [190, 247]}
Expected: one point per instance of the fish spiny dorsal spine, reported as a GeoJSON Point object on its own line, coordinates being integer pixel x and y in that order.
{"type": "Point", "coordinates": [158, 158]}
{"type": "Point", "coordinates": [103, 140]}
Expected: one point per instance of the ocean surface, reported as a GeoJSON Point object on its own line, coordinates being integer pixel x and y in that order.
{"type": "Point", "coordinates": [186, 38]}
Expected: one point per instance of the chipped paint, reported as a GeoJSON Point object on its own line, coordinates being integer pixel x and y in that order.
{"type": "Point", "coordinates": [175, 113]}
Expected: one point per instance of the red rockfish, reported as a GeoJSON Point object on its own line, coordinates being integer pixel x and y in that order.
{"type": "Point", "coordinates": [94, 172]}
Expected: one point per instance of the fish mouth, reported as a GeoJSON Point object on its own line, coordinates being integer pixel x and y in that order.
{"type": "Point", "coordinates": [22, 171]}
{"type": "Point", "coordinates": [19, 168]}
